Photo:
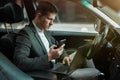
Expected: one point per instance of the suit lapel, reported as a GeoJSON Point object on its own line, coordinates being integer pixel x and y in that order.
{"type": "Point", "coordinates": [38, 39]}
{"type": "Point", "coordinates": [40, 42]}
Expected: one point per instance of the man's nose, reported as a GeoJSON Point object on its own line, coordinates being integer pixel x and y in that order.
{"type": "Point", "coordinates": [51, 22]}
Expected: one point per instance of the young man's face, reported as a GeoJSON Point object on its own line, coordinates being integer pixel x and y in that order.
{"type": "Point", "coordinates": [46, 21]}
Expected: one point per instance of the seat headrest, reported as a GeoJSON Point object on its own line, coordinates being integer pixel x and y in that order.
{"type": "Point", "coordinates": [11, 13]}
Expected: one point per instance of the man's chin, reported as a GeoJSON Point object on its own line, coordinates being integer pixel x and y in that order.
{"type": "Point", "coordinates": [46, 29]}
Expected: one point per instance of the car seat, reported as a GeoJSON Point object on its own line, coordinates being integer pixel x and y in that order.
{"type": "Point", "coordinates": [9, 71]}
{"type": "Point", "coordinates": [7, 45]}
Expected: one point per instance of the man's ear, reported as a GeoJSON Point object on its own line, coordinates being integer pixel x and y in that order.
{"type": "Point", "coordinates": [39, 14]}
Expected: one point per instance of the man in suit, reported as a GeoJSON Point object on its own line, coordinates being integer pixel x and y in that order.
{"type": "Point", "coordinates": [35, 47]}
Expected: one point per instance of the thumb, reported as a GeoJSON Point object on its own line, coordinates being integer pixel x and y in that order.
{"type": "Point", "coordinates": [63, 61]}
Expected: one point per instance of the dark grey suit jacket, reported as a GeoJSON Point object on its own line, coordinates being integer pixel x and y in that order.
{"type": "Point", "coordinates": [30, 53]}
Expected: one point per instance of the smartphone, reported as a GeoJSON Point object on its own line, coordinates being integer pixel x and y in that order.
{"type": "Point", "coordinates": [61, 42]}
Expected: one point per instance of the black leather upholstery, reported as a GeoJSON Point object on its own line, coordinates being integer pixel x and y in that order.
{"type": "Point", "coordinates": [9, 71]}
{"type": "Point", "coordinates": [11, 13]}
{"type": "Point", "coordinates": [7, 45]}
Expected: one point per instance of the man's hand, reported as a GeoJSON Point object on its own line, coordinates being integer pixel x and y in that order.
{"type": "Point", "coordinates": [55, 53]}
{"type": "Point", "coordinates": [67, 60]}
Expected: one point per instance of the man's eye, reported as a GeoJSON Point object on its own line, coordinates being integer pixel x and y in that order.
{"type": "Point", "coordinates": [49, 18]}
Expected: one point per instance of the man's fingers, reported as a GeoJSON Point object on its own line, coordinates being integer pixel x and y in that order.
{"type": "Point", "coordinates": [61, 47]}
{"type": "Point", "coordinates": [67, 60]}
{"type": "Point", "coordinates": [53, 46]}
{"type": "Point", "coordinates": [63, 62]}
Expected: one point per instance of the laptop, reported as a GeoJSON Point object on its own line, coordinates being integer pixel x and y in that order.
{"type": "Point", "coordinates": [78, 61]}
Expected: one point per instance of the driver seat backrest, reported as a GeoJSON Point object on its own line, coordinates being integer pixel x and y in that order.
{"type": "Point", "coordinates": [7, 43]}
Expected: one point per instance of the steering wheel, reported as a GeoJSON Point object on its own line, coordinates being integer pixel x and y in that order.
{"type": "Point", "coordinates": [98, 42]}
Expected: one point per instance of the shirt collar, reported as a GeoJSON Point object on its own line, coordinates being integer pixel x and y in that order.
{"type": "Point", "coordinates": [37, 29]}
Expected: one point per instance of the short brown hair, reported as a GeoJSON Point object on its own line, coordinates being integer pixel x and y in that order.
{"type": "Point", "coordinates": [45, 6]}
